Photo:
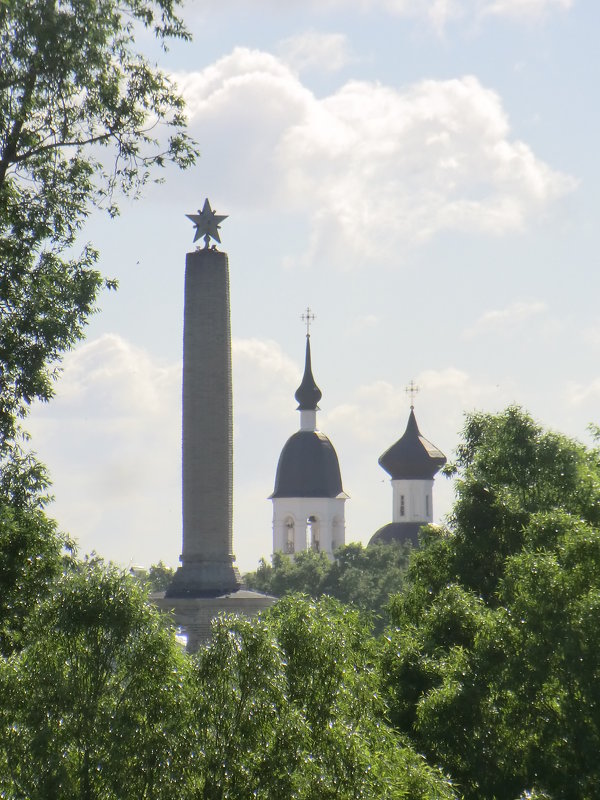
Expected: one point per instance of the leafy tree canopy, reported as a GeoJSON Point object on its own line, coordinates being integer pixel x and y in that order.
{"type": "Point", "coordinates": [363, 576]}
{"type": "Point", "coordinates": [100, 702]}
{"type": "Point", "coordinates": [80, 112]}
{"type": "Point", "coordinates": [80, 116]}
{"type": "Point", "coordinates": [95, 704]}
{"type": "Point", "coordinates": [159, 577]}
{"type": "Point", "coordinates": [289, 706]}
{"type": "Point", "coordinates": [493, 662]}
{"type": "Point", "coordinates": [32, 556]}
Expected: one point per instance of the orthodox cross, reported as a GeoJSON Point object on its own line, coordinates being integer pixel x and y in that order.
{"type": "Point", "coordinates": [308, 317]}
{"type": "Point", "coordinates": [412, 389]}
{"type": "Point", "coordinates": [207, 224]}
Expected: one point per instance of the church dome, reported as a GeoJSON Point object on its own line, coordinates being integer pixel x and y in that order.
{"type": "Point", "coordinates": [398, 532]}
{"type": "Point", "coordinates": [308, 467]}
{"type": "Point", "coordinates": [412, 457]}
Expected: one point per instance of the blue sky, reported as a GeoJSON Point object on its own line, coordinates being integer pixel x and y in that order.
{"type": "Point", "coordinates": [424, 175]}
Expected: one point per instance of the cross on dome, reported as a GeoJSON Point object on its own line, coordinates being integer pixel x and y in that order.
{"type": "Point", "coordinates": [308, 317]}
{"type": "Point", "coordinates": [412, 389]}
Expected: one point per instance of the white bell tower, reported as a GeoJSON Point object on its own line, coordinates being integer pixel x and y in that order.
{"type": "Point", "coordinates": [412, 463]}
{"type": "Point", "coordinates": [308, 499]}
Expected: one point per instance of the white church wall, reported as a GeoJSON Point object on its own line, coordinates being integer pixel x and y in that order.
{"type": "Point", "coordinates": [308, 522]}
{"type": "Point", "coordinates": [412, 501]}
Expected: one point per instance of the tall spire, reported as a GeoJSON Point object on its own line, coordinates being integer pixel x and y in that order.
{"type": "Point", "coordinates": [308, 393]}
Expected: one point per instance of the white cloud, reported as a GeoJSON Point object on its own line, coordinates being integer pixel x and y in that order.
{"type": "Point", "coordinates": [364, 322]}
{"type": "Point", "coordinates": [519, 9]}
{"type": "Point", "coordinates": [440, 11]}
{"type": "Point", "coordinates": [506, 318]}
{"type": "Point", "coordinates": [579, 393]}
{"type": "Point", "coordinates": [112, 441]}
{"type": "Point", "coordinates": [436, 12]}
{"type": "Point", "coordinates": [265, 379]}
{"type": "Point", "coordinates": [314, 50]}
{"type": "Point", "coordinates": [375, 167]}
{"type": "Point", "coordinates": [591, 335]}
{"type": "Point", "coordinates": [378, 411]}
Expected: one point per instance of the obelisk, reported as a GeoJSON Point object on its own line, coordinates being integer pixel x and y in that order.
{"type": "Point", "coordinates": [207, 560]}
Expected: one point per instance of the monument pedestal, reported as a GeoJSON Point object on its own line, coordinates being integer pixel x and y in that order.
{"type": "Point", "coordinates": [204, 579]}
{"type": "Point", "coordinates": [195, 614]}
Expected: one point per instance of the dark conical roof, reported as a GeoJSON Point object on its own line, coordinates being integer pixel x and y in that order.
{"type": "Point", "coordinates": [412, 457]}
{"type": "Point", "coordinates": [308, 467]}
{"type": "Point", "coordinates": [308, 393]}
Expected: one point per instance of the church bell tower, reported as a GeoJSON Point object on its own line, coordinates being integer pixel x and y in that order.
{"type": "Point", "coordinates": [308, 499]}
{"type": "Point", "coordinates": [412, 463]}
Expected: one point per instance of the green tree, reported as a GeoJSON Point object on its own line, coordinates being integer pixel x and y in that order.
{"type": "Point", "coordinates": [363, 576]}
{"type": "Point", "coordinates": [95, 704]}
{"type": "Point", "coordinates": [79, 112]}
{"type": "Point", "coordinates": [492, 664]}
{"type": "Point", "coordinates": [289, 706]}
{"type": "Point", "coordinates": [156, 578]}
{"type": "Point", "coordinates": [32, 556]}
{"type": "Point", "coordinates": [368, 576]}
{"type": "Point", "coordinates": [160, 576]}
{"type": "Point", "coordinates": [305, 574]}
{"type": "Point", "coordinates": [100, 702]}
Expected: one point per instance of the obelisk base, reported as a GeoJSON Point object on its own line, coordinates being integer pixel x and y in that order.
{"type": "Point", "coordinates": [195, 614]}
{"type": "Point", "coordinates": [204, 579]}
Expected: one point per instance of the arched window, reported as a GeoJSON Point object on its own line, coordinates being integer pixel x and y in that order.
{"type": "Point", "coordinates": [290, 535]}
{"type": "Point", "coordinates": [313, 526]}
{"type": "Point", "coordinates": [337, 534]}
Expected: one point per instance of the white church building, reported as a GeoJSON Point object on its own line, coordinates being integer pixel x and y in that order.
{"type": "Point", "coordinates": [308, 499]}
{"type": "Point", "coordinates": [412, 463]}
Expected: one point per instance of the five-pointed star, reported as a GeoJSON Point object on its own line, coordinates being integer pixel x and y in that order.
{"type": "Point", "coordinates": [207, 223]}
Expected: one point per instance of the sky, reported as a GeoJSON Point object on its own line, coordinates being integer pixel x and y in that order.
{"type": "Point", "coordinates": [423, 174]}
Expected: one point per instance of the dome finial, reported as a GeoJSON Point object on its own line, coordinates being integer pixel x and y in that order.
{"type": "Point", "coordinates": [308, 393]}
{"type": "Point", "coordinates": [412, 389]}
{"type": "Point", "coordinates": [308, 317]}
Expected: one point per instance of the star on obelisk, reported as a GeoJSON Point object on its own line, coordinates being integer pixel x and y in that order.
{"type": "Point", "coordinates": [207, 223]}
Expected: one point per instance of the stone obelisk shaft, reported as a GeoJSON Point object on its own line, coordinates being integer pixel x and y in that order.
{"type": "Point", "coordinates": [207, 560]}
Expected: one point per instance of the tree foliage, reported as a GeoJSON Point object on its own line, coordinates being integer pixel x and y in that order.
{"type": "Point", "coordinates": [289, 706]}
{"type": "Point", "coordinates": [160, 576]}
{"type": "Point", "coordinates": [32, 556]}
{"type": "Point", "coordinates": [94, 705]}
{"type": "Point", "coordinates": [80, 111]}
{"type": "Point", "coordinates": [100, 702]}
{"type": "Point", "coordinates": [81, 115]}
{"type": "Point", "coordinates": [366, 577]}
{"type": "Point", "coordinates": [493, 663]}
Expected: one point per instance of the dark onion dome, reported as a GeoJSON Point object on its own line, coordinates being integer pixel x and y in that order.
{"type": "Point", "coordinates": [412, 457]}
{"type": "Point", "coordinates": [308, 467]}
{"type": "Point", "coordinates": [398, 532]}
{"type": "Point", "coordinates": [308, 393]}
